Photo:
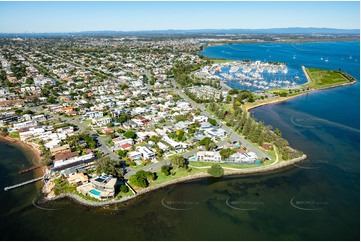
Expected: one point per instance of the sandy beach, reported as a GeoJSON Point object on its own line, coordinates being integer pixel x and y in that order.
{"type": "Point", "coordinates": [26, 146]}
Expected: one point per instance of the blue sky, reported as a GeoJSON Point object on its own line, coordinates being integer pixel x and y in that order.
{"type": "Point", "coordinates": [19, 17]}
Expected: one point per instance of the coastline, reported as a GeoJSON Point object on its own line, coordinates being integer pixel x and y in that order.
{"type": "Point", "coordinates": [300, 94]}
{"type": "Point", "coordinates": [246, 171]}
{"type": "Point", "coordinates": [26, 146]}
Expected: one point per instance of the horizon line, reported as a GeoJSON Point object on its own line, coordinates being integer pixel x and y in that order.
{"type": "Point", "coordinates": [199, 29]}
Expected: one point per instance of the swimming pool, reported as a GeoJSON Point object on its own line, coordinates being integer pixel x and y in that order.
{"type": "Point", "coordinates": [95, 192]}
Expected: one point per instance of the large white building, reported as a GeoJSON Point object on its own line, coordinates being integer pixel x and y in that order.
{"type": "Point", "coordinates": [101, 187]}
{"type": "Point", "coordinates": [147, 153]}
{"type": "Point", "coordinates": [209, 156]}
{"type": "Point", "coordinates": [172, 143]}
{"type": "Point", "coordinates": [26, 124]}
{"type": "Point", "coordinates": [101, 121]}
{"type": "Point", "coordinates": [90, 115]}
{"type": "Point", "coordinates": [249, 157]}
{"type": "Point", "coordinates": [60, 163]}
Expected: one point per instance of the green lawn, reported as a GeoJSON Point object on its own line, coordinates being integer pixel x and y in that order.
{"type": "Point", "coordinates": [326, 78]}
{"type": "Point", "coordinates": [122, 195]}
{"type": "Point", "coordinates": [15, 135]}
{"type": "Point", "coordinates": [180, 173]}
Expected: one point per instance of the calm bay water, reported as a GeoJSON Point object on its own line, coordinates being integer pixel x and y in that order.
{"type": "Point", "coordinates": [317, 200]}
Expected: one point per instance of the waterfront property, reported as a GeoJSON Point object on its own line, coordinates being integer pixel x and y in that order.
{"type": "Point", "coordinates": [249, 157]}
{"type": "Point", "coordinates": [214, 156]}
{"type": "Point", "coordinates": [101, 187]}
{"type": "Point", "coordinates": [209, 156]}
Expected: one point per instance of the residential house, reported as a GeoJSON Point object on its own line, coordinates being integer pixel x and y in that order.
{"type": "Point", "coordinates": [78, 179]}
{"type": "Point", "coordinates": [39, 118]}
{"type": "Point", "coordinates": [135, 155]}
{"type": "Point", "coordinates": [73, 161]}
{"type": "Point", "coordinates": [208, 156]}
{"type": "Point", "coordinates": [101, 121]}
{"type": "Point", "coordinates": [249, 157]}
{"type": "Point", "coordinates": [174, 144]}
{"type": "Point", "coordinates": [91, 115]}
{"type": "Point", "coordinates": [26, 124]}
{"type": "Point", "coordinates": [8, 120]}
{"type": "Point", "coordinates": [216, 132]}
{"type": "Point", "coordinates": [122, 144]}
{"type": "Point", "coordinates": [146, 153]}
{"type": "Point", "coordinates": [101, 187]}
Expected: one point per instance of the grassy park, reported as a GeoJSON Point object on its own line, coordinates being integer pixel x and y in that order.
{"type": "Point", "coordinates": [327, 78]}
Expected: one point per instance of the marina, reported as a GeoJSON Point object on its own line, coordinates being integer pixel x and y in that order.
{"type": "Point", "coordinates": [254, 76]}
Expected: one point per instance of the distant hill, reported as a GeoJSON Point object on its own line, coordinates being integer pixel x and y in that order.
{"type": "Point", "coordinates": [295, 30]}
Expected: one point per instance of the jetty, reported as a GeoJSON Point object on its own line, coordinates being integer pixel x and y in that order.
{"type": "Point", "coordinates": [30, 169]}
{"type": "Point", "coordinates": [23, 183]}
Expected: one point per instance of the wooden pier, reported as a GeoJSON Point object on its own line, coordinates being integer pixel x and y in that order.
{"type": "Point", "coordinates": [23, 183]}
{"type": "Point", "coordinates": [30, 169]}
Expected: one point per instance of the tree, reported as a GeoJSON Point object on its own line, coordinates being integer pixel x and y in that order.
{"type": "Point", "coordinates": [225, 153]}
{"type": "Point", "coordinates": [212, 121]}
{"type": "Point", "coordinates": [122, 153]}
{"type": "Point", "coordinates": [166, 170]}
{"type": "Point", "coordinates": [250, 99]}
{"type": "Point", "coordinates": [278, 132]}
{"type": "Point", "coordinates": [130, 134]}
{"type": "Point", "coordinates": [211, 146]}
{"type": "Point", "coordinates": [122, 118]}
{"type": "Point", "coordinates": [180, 135]}
{"type": "Point", "coordinates": [205, 141]}
{"type": "Point", "coordinates": [4, 131]}
{"type": "Point", "coordinates": [108, 166]}
{"type": "Point", "coordinates": [29, 81]}
{"type": "Point", "coordinates": [124, 189]}
{"type": "Point", "coordinates": [51, 99]}
{"type": "Point", "coordinates": [138, 181]}
{"type": "Point", "coordinates": [216, 170]}
{"type": "Point", "coordinates": [141, 178]}
{"type": "Point", "coordinates": [179, 161]}
{"type": "Point", "coordinates": [233, 91]}
{"type": "Point", "coordinates": [18, 111]}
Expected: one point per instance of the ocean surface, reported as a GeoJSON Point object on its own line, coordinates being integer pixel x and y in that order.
{"type": "Point", "coordinates": [319, 199]}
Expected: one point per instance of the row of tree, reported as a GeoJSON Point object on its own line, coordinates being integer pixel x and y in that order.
{"type": "Point", "coordinates": [256, 132]}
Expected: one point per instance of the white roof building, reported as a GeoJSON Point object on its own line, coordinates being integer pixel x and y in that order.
{"type": "Point", "coordinates": [210, 156]}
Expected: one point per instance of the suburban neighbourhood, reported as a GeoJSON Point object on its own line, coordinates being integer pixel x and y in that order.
{"type": "Point", "coordinates": [109, 121]}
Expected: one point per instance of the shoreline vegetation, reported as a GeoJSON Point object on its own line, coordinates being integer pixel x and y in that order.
{"type": "Point", "coordinates": [245, 171]}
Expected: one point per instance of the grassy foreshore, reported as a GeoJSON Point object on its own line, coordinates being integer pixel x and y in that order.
{"type": "Point", "coordinates": [317, 80]}
{"type": "Point", "coordinates": [201, 175]}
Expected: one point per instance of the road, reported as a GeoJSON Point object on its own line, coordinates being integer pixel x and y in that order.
{"type": "Point", "coordinates": [157, 166]}
{"type": "Point", "coordinates": [151, 167]}
{"type": "Point", "coordinates": [101, 141]}
{"type": "Point", "coordinates": [233, 135]}
{"type": "Point", "coordinates": [93, 70]}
